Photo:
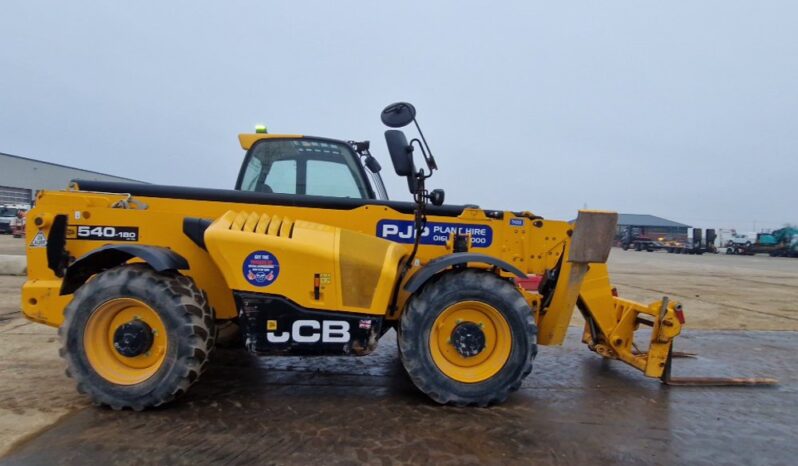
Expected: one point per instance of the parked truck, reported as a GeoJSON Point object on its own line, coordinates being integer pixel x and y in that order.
{"type": "Point", "coordinates": [696, 243]}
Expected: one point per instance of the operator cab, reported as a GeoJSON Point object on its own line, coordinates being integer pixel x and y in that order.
{"type": "Point", "coordinates": [302, 165]}
{"type": "Point", "coordinates": [310, 166]}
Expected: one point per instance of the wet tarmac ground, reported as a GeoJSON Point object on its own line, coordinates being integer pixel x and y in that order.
{"type": "Point", "coordinates": [573, 409]}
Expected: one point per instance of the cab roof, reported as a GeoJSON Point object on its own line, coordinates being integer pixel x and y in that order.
{"type": "Point", "coordinates": [248, 139]}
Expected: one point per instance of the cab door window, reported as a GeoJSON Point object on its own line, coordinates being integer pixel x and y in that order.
{"type": "Point", "coordinates": [281, 177]}
{"type": "Point", "coordinates": [328, 178]}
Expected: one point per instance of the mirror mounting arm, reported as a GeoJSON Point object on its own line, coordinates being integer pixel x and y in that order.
{"type": "Point", "coordinates": [427, 157]}
{"type": "Point", "coordinates": [428, 153]}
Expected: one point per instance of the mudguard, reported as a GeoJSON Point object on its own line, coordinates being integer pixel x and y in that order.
{"type": "Point", "coordinates": [437, 265]}
{"type": "Point", "coordinates": [160, 259]}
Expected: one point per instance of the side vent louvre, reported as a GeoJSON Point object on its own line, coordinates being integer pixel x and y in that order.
{"type": "Point", "coordinates": [263, 224]}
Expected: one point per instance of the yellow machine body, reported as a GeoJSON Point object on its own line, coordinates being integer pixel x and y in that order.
{"type": "Point", "coordinates": [332, 260]}
{"type": "Point", "coordinates": [320, 237]}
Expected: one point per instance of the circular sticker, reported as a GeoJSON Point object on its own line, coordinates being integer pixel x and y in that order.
{"type": "Point", "coordinates": [261, 268]}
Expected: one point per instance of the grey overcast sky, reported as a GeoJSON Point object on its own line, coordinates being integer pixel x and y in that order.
{"type": "Point", "coordinates": [683, 109]}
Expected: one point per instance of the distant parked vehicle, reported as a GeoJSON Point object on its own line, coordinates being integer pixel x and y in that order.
{"type": "Point", "coordinates": [741, 239]}
{"type": "Point", "coordinates": [782, 242]}
{"type": "Point", "coordinates": [8, 215]}
{"type": "Point", "coordinates": [641, 243]}
{"type": "Point", "coordinates": [696, 243]}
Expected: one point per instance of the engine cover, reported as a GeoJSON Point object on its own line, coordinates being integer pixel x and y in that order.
{"type": "Point", "coordinates": [316, 266]}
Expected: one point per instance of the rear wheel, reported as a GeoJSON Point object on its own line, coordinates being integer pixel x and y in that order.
{"type": "Point", "coordinates": [134, 338]}
{"type": "Point", "coordinates": [468, 338]}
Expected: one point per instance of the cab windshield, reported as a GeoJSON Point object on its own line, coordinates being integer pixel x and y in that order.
{"type": "Point", "coordinates": [304, 166]}
{"type": "Point", "coordinates": [8, 212]}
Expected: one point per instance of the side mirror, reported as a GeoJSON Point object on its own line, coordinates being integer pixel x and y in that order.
{"type": "Point", "coordinates": [401, 152]}
{"type": "Point", "coordinates": [398, 115]}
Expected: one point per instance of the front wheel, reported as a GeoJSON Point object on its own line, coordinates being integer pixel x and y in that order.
{"type": "Point", "coordinates": [468, 338]}
{"type": "Point", "coordinates": [134, 338]}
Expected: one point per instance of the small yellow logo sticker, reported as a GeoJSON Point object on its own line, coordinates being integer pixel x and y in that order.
{"type": "Point", "coordinates": [271, 325]}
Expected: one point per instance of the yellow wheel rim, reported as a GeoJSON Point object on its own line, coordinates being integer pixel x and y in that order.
{"type": "Point", "coordinates": [489, 361]}
{"type": "Point", "coordinates": [98, 342]}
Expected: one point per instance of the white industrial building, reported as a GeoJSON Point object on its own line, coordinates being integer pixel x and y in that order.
{"type": "Point", "coordinates": [21, 178]}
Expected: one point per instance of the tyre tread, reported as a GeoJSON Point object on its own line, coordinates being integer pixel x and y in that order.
{"type": "Point", "coordinates": [197, 334]}
{"type": "Point", "coordinates": [450, 283]}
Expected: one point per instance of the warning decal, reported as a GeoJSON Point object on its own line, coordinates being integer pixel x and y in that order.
{"type": "Point", "coordinates": [39, 241]}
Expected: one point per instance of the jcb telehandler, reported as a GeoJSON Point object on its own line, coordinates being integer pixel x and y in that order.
{"type": "Point", "coordinates": [308, 257]}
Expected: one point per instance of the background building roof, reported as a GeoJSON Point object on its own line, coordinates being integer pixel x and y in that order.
{"type": "Point", "coordinates": [645, 220]}
{"type": "Point", "coordinates": [58, 165]}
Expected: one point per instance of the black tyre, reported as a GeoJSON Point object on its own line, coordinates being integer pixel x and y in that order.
{"type": "Point", "coordinates": [468, 338]}
{"type": "Point", "coordinates": [134, 338]}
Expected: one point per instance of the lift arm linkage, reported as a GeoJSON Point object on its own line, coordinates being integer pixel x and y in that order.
{"type": "Point", "coordinates": [611, 322]}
